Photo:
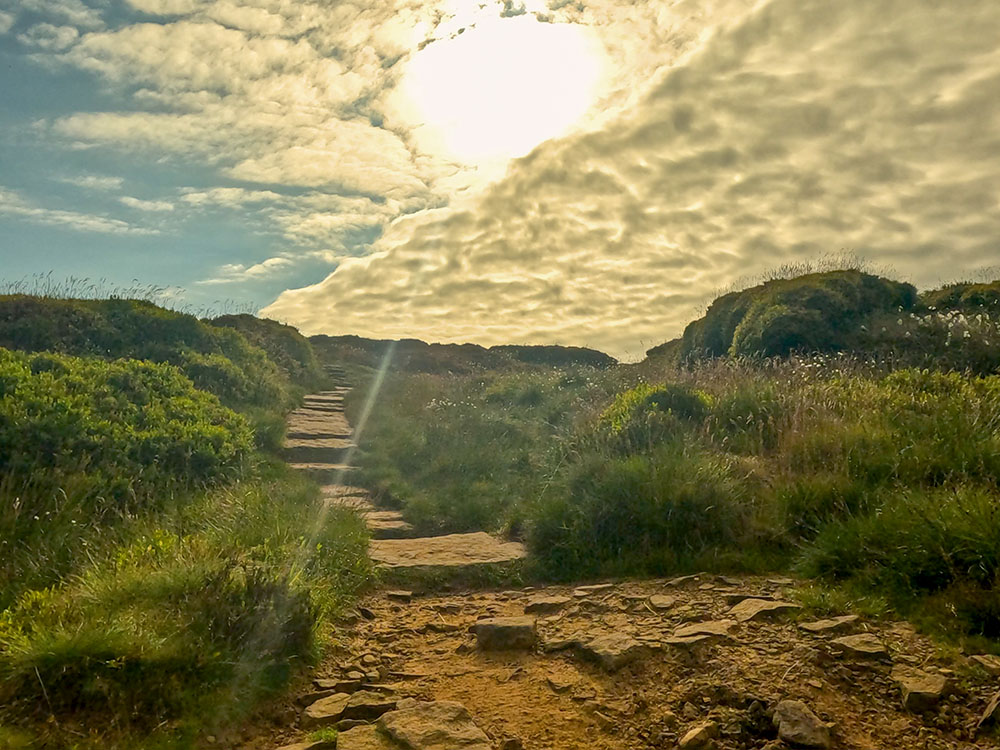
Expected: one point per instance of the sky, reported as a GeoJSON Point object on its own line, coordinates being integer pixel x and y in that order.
{"type": "Point", "coordinates": [580, 172]}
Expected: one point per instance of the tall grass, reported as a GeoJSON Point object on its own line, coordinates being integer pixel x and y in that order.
{"type": "Point", "coordinates": [827, 464]}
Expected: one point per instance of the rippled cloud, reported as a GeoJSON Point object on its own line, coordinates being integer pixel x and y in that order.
{"type": "Point", "coordinates": [800, 128]}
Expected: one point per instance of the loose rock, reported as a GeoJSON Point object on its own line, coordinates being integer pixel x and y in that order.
{"type": "Point", "coordinates": [989, 662]}
{"type": "Point", "coordinates": [752, 609]}
{"type": "Point", "coordinates": [506, 633]}
{"type": "Point", "coordinates": [662, 601]}
{"type": "Point", "coordinates": [921, 690]}
{"type": "Point", "coordinates": [717, 628]}
{"type": "Point", "coordinates": [991, 716]}
{"type": "Point", "coordinates": [438, 725]}
{"type": "Point", "coordinates": [700, 737]}
{"type": "Point", "coordinates": [863, 646]}
{"type": "Point", "coordinates": [830, 624]}
{"type": "Point", "coordinates": [325, 711]}
{"type": "Point", "coordinates": [799, 726]}
{"type": "Point", "coordinates": [368, 705]}
{"type": "Point", "coordinates": [613, 651]}
{"type": "Point", "coordinates": [546, 605]}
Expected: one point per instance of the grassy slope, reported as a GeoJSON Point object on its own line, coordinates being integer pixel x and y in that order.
{"type": "Point", "coordinates": [159, 575]}
{"type": "Point", "coordinates": [859, 470]}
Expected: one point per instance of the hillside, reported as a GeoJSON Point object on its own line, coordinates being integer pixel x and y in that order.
{"type": "Point", "coordinates": [412, 355]}
{"type": "Point", "coordinates": [853, 313]}
{"type": "Point", "coordinates": [160, 575]}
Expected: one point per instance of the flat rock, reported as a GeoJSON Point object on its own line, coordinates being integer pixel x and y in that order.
{"type": "Point", "coordinates": [662, 601]}
{"type": "Point", "coordinates": [613, 651]}
{"type": "Point", "coordinates": [363, 738]}
{"type": "Point", "coordinates": [753, 609]}
{"type": "Point", "coordinates": [437, 725]}
{"type": "Point", "coordinates": [506, 633]}
{"type": "Point", "coordinates": [798, 726]}
{"type": "Point", "coordinates": [325, 711]}
{"type": "Point", "coordinates": [596, 588]}
{"type": "Point", "coordinates": [921, 690]}
{"type": "Point", "coordinates": [714, 628]}
{"type": "Point", "coordinates": [990, 716]}
{"type": "Point", "coordinates": [368, 705]}
{"type": "Point", "coordinates": [700, 737]}
{"type": "Point", "coordinates": [316, 745]}
{"type": "Point", "coordinates": [403, 597]}
{"type": "Point", "coordinates": [338, 685]}
{"type": "Point", "coordinates": [451, 550]}
{"type": "Point", "coordinates": [862, 646]}
{"type": "Point", "coordinates": [546, 605]}
{"type": "Point", "coordinates": [830, 624]}
{"type": "Point", "coordinates": [989, 662]}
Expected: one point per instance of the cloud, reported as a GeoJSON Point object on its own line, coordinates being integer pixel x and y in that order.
{"type": "Point", "coordinates": [238, 273]}
{"type": "Point", "coordinates": [790, 131]}
{"type": "Point", "coordinates": [14, 205]}
{"type": "Point", "coordinates": [6, 22]}
{"type": "Point", "coordinates": [72, 12]}
{"type": "Point", "coordinates": [48, 37]}
{"type": "Point", "coordinates": [144, 205]}
{"type": "Point", "coordinates": [94, 182]}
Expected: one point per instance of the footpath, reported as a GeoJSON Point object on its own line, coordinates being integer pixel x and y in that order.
{"type": "Point", "coordinates": [696, 662]}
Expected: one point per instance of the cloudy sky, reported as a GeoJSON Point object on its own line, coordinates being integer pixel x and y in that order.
{"type": "Point", "coordinates": [583, 172]}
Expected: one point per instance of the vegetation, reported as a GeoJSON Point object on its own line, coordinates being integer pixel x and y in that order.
{"type": "Point", "coordinates": [217, 359]}
{"type": "Point", "coordinates": [284, 345]}
{"type": "Point", "coordinates": [855, 467]}
{"type": "Point", "coordinates": [158, 575]}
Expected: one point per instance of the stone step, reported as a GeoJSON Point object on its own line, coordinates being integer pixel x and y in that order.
{"type": "Point", "coordinates": [309, 435]}
{"type": "Point", "coordinates": [449, 551]}
{"type": "Point", "coordinates": [316, 454]}
{"type": "Point", "coordinates": [388, 524]}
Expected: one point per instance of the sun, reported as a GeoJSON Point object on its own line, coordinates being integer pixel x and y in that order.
{"type": "Point", "coordinates": [500, 86]}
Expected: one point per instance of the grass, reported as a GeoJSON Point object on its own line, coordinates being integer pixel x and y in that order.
{"type": "Point", "coordinates": [185, 621]}
{"type": "Point", "coordinates": [874, 481]}
{"type": "Point", "coordinates": [160, 577]}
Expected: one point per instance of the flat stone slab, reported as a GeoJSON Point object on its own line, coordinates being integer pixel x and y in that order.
{"type": "Point", "coordinates": [830, 624]}
{"type": "Point", "coordinates": [711, 628]}
{"type": "Point", "coordinates": [363, 738]}
{"type": "Point", "coordinates": [546, 605]}
{"type": "Point", "coordinates": [452, 550]}
{"type": "Point", "coordinates": [613, 651]}
{"type": "Point", "coordinates": [506, 633]}
{"type": "Point", "coordinates": [864, 646]}
{"type": "Point", "coordinates": [756, 609]}
{"type": "Point", "coordinates": [436, 725]}
{"type": "Point", "coordinates": [921, 690]}
{"type": "Point", "coordinates": [325, 711]}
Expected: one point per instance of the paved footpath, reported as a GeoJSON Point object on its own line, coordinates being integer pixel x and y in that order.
{"type": "Point", "coordinates": [699, 662]}
{"type": "Point", "coordinates": [321, 441]}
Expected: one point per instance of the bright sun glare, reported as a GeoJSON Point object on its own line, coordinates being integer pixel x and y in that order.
{"type": "Point", "coordinates": [502, 86]}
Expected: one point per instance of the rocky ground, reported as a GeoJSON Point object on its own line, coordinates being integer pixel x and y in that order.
{"type": "Point", "coordinates": [695, 662]}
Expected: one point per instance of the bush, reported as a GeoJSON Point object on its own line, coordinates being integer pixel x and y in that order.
{"type": "Point", "coordinates": [136, 429]}
{"type": "Point", "coordinates": [818, 312]}
{"type": "Point", "coordinates": [188, 620]}
{"type": "Point", "coordinates": [284, 345]}
{"type": "Point", "coordinates": [220, 359]}
{"type": "Point", "coordinates": [642, 514]}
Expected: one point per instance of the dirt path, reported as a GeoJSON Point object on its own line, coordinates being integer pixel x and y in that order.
{"type": "Point", "coordinates": [697, 662]}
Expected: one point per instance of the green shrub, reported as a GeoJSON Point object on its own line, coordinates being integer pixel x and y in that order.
{"type": "Point", "coordinates": [220, 358]}
{"type": "Point", "coordinates": [816, 312]}
{"type": "Point", "coordinates": [188, 620]}
{"type": "Point", "coordinates": [652, 514]}
{"type": "Point", "coordinates": [284, 345]}
{"type": "Point", "coordinates": [136, 429]}
{"type": "Point", "coordinates": [918, 541]}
